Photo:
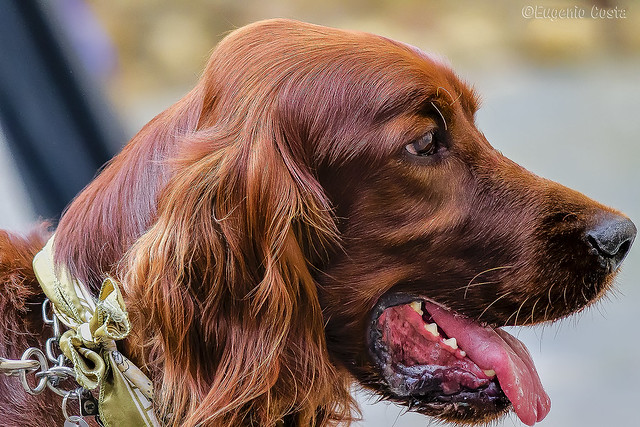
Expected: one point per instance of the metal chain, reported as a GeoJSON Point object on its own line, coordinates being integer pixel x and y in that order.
{"type": "Point", "coordinates": [35, 361]}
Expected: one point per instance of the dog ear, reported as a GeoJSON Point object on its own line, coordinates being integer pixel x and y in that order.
{"type": "Point", "coordinates": [109, 215]}
{"type": "Point", "coordinates": [222, 288]}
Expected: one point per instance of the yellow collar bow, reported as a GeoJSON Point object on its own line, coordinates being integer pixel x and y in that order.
{"type": "Point", "coordinates": [126, 393]}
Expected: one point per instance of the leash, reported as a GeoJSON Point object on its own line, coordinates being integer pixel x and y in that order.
{"type": "Point", "coordinates": [35, 361]}
{"type": "Point", "coordinates": [88, 345]}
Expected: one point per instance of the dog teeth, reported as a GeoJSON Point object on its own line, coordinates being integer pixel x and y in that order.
{"type": "Point", "coordinates": [432, 328]}
{"type": "Point", "coordinates": [451, 343]}
{"type": "Point", "coordinates": [417, 307]}
{"type": "Point", "coordinates": [490, 373]}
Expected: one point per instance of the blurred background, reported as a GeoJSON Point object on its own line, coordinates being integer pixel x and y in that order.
{"type": "Point", "coordinates": [560, 83]}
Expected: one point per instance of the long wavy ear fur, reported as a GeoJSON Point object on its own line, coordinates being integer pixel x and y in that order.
{"type": "Point", "coordinates": [117, 207]}
{"type": "Point", "coordinates": [220, 285]}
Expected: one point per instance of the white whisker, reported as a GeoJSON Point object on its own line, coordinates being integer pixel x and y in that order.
{"type": "Point", "coordinates": [443, 120]}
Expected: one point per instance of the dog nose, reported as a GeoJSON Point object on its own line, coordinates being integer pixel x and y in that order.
{"type": "Point", "coordinates": [612, 237]}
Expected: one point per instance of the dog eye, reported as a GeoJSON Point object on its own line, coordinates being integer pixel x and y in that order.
{"type": "Point", "coordinates": [425, 146]}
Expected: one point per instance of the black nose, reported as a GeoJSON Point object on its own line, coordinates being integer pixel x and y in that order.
{"type": "Point", "coordinates": [611, 238]}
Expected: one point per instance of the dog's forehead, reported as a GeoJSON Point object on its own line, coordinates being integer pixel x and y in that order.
{"type": "Point", "coordinates": [429, 56]}
{"type": "Point", "coordinates": [452, 89]}
{"type": "Point", "coordinates": [432, 75]}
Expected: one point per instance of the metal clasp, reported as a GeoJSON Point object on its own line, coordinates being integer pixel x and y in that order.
{"type": "Point", "coordinates": [14, 367]}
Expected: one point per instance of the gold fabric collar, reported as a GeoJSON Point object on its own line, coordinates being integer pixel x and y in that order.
{"type": "Point", "coordinates": [125, 392]}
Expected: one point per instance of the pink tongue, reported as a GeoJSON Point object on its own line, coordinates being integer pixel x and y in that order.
{"type": "Point", "coordinates": [506, 355]}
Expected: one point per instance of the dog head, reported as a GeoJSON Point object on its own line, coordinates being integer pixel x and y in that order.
{"type": "Point", "coordinates": [322, 201]}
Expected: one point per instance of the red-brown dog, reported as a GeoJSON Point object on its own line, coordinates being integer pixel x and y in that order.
{"type": "Point", "coordinates": [321, 207]}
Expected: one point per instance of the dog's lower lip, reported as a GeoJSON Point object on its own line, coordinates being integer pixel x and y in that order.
{"type": "Point", "coordinates": [492, 352]}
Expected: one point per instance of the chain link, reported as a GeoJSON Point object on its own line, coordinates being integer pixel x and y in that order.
{"type": "Point", "coordinates": [43, 366]}
{"type": "Point", "coordinates": [35, 361]}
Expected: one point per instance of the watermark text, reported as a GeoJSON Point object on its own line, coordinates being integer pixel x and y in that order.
{"type": "Point", "coordinates": [572, 12]}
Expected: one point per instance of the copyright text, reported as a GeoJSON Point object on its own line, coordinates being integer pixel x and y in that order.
{"type": "Point", "coordinates": [575, 12]}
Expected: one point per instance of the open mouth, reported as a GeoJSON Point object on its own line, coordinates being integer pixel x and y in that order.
{"type": "Point", "coordinates": [445, 364]}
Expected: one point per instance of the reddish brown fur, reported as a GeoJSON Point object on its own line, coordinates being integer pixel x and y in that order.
{"type": "Point", "coordinates": [274, 199]}
{"type": "Point", "coordinates": [21, 327]}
